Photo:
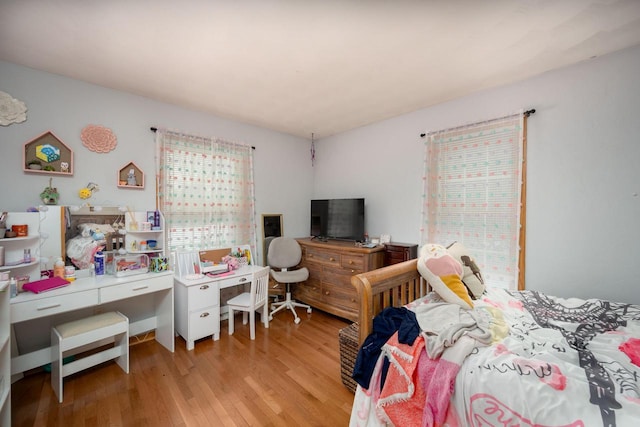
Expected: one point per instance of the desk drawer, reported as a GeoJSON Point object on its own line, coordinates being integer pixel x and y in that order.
{"type": "Point", "coordinates": [204, 295]}
{"type": "Point", "coordinates": [235, 280]}
{"type": "Point", "coordinates": [135, 288]}
{"type": "Point", "coordinates": [203, 323]}
{"type": "Point", "coordinates": [53, 305]}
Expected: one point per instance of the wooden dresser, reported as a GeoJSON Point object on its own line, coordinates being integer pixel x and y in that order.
{"type": "Point", "coordinates": [331, 265]}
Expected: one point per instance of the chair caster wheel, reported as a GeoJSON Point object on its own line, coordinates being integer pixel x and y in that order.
{"type": "Point", "coordinates": [297, 320]}
{"type": "Point", "coordinates": [309, 310]}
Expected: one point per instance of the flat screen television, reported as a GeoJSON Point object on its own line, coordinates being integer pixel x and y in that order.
{"type": "Point", "coordinates": [341, 219]}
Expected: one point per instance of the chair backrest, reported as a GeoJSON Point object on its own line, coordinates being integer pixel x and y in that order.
{"type": "Point", "coordinates": [185, 262]}
{"type": "Point", "coordinates": [260, 287]}
{"type": "Point", "coordinates": [284, 252]}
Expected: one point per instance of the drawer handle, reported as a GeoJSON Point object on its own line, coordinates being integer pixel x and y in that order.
{"type": "Point", "coordinates": [205, 314]}
{"type": "Point", "coordinates": [332, 258]}
{"type": "Point", "coordinates": [310, 255]}
{"type": "Point", "coordinates": [351, 261]}
{"type": "Point", "coordinates": [326, 293]}
{"type": "Point", "coordinates": [244, 279]}
{"type": "Point", "coordinates": [203, 287]}
{"type": "Point", "coordinates": [139, 288]}
{"type": "Point", "coordinates": [47, 307]}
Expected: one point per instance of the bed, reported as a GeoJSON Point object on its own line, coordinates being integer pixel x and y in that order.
{"type": "Point", "coordinates": [546, 361]}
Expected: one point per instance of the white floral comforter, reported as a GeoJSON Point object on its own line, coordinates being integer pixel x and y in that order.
{"type": "Point", "coordinates": [563, 362]}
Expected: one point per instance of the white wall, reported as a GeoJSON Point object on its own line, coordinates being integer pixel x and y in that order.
{"type": "Point", "coordinates": [583, 238]}
{"type": "Point", "coordinates": [583, 181]}
{"type": "Point", "coordinates": [65, 106]}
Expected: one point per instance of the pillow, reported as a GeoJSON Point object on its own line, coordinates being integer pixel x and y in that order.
{"type": "Point", "coordinates": [471, 276]}
{"type": "Point", "coordinates": [444, 274]}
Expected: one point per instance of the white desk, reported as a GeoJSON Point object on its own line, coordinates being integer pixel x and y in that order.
{"type": "Point", "coordinates": [198, 303]}
{"type": "Point", "coordinates": [147, 299]}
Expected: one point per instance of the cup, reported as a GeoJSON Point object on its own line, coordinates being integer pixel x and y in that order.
{"type": "Point", "coordinates": [159, 264]}
{"type": "Point", "coordinates": [4, 275]}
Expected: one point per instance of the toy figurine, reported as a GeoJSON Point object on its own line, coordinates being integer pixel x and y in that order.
{"type": "Point", "coordinates": [131, 178]}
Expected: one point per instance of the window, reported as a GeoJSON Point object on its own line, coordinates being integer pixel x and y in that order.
{"type": "Point", "coordinates": [205, 192]}
{"type": "Point", "coordinates": [473, 194]}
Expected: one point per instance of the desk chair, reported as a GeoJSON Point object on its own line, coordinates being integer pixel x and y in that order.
{"type": "Point", "coordinates": [249, 303]}
{"type": "Point", "coordinates": [284, 254]}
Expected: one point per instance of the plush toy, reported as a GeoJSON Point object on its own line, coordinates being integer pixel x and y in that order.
{"type": "Point", "coordinates": [444, 273]}
{"type": "Point", "coordinates": [87, 191]}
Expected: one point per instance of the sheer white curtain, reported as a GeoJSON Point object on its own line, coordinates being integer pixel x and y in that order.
{"type": "Point", "coordinates": [472, 194]}
{"type": "Point", "coordinates": [205, 191]}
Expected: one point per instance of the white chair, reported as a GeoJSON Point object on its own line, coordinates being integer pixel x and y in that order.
{"type": "Point", "coordinates": [256, 300]}
{"type": "Point", "coordinates": [283, 256]}
{"type": "Point", "coordinates": [73, 337]}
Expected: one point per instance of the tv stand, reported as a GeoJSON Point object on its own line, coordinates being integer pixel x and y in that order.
{"type": "Point", "coordinates": [331, 264]}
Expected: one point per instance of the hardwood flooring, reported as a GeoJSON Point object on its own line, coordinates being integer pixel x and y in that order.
{"type": "Point", "coordinates": [288, 376]}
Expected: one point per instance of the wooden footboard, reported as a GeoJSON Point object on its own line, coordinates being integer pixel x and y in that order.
{"type": "Point", "coordinates": [392, 286]}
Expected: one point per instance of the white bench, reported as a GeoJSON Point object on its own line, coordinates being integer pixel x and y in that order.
{"type": "Point", "coordinates": [69, 339]}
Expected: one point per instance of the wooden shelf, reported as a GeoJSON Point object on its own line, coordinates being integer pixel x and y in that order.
{"type": "Point", "coordinates": [54, 156]}
{"type": "Point", "coordinates": [123, 177]}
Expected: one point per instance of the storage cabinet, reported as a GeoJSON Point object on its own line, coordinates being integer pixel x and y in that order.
{"type": "Point", "coordinates": [331, 265]}
{"type": "Point", "coordinates": [5, 356]}
{"type": "Point", "coordinates": [395, 252]}
{"type": "Point", "coordinates": [197, 304]}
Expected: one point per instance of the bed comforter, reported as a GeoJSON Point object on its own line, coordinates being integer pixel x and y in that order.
{"type": "Point", "coordinates": [518, 358]}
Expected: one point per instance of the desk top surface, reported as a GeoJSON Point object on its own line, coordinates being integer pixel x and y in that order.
{"type": "Point", "coordinates": [88, 283]}
{"type": "Point", "coordinates": [249, 269]}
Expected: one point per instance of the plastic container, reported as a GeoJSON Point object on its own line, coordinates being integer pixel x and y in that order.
{"type": "Point", "coordinates": [13, 288]}
{"type": "Point", "coordinates": [99, 262]}
{"type": "Point", "coordinates": [127, 265]}
{"type": "Point", "coordinates": [58, 268]}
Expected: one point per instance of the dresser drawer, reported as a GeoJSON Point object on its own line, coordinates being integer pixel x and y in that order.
{"type": "Point", "coordinates": [354, 262]}
{"type": "Point", "coordinates": [52, 305]}
{"type": "Point", "coordinates": [314, 255]}
{"type": "Point", "coordinates": [133, 289]}
{"type": "Point", "coordinates": [204, 295]}
{"type": "Point", "coordinates": [339, 296]}
{"type": "Point", "coordinates": [204, 322]}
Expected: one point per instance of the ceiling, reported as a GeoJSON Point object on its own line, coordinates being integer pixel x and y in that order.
{"type": "Point", "coordinates": [314, 66]}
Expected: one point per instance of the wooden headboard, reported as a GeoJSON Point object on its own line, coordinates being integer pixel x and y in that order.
{"type": "Point", "coordinates": [391, 286]}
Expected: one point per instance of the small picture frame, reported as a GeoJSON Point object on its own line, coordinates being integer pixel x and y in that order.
{"type": "Point", "coordinates": [151, 215]}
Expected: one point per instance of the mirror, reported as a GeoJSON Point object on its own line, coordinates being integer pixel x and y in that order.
{"type": "Point", "coordinates": [271, 228]}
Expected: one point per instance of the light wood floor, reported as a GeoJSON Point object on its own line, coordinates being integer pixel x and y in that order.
{"type": "Point", "coordinates": [288, 376]}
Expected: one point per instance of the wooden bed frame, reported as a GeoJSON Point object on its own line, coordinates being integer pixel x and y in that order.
{"type": "Point", "coordinates": [391, 286]}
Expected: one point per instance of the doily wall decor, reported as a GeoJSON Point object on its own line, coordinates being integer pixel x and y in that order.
{"type": "Point", "coordinates": [11, 110]}
{"type": "Point", "coordinates": [98, 138]}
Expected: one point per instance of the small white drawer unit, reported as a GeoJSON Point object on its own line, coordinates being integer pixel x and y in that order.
{"type": "Point", "coordinates": [197, 304]}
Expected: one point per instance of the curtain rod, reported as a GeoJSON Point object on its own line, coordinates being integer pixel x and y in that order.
{"type": "Point", "coordinates": [526, 114]}
{"type": "Point", "coordinates": [154, 130]}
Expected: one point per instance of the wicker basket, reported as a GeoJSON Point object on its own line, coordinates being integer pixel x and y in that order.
{"type": "Point", "coordinates": [348, 351]}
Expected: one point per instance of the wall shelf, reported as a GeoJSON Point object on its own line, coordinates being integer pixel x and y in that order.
{"type": "Point", "coordinates": [54, 157]}
{"type": "Point", "coordinates": [124, 180]}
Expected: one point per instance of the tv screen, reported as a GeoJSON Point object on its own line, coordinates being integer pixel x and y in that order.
{"type": "Point", "coordinates": [338, 219]}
